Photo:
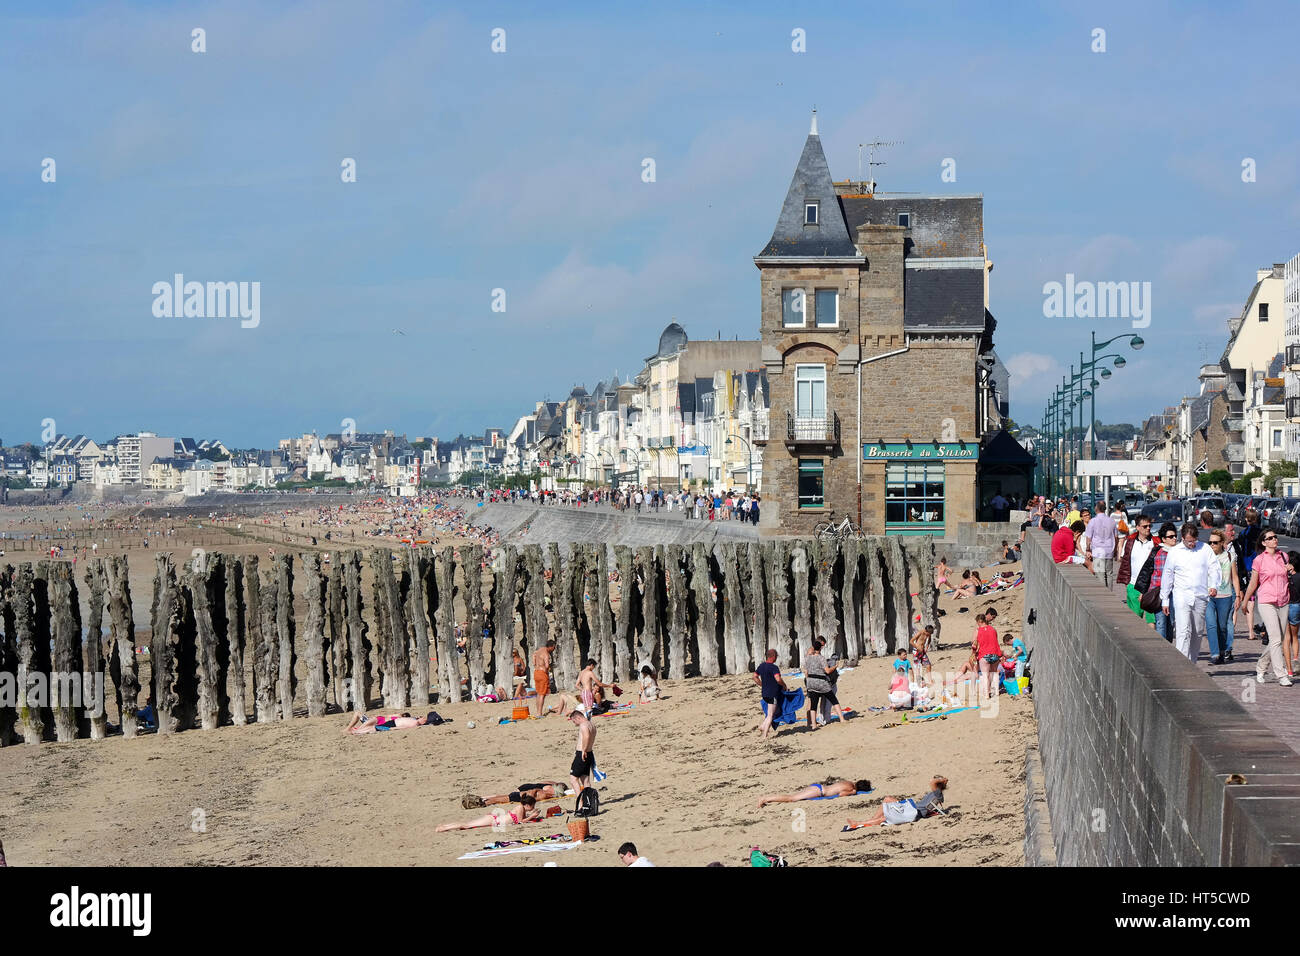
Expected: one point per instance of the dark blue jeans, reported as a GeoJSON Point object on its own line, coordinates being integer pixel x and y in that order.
{"type": "Point", "coordinates": [1163, 623]}
{"type": "Point", "coordinates": [1218, 624]}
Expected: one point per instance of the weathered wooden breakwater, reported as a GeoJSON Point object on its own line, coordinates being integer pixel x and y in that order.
{"type": "Point", "coordinates": [225, 645]}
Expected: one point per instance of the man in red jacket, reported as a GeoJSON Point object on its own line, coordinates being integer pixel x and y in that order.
{"type": "Point", "coordinates": [1065, 546]}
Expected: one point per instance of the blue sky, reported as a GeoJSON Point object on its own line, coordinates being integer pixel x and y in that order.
{"type": "Point", "coordinates": [522, 171]}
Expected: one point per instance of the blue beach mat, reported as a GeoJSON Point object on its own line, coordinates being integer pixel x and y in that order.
{"type": "Point", "coordinates": [791, 703]}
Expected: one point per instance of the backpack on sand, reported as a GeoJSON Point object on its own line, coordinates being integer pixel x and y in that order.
{"type": "Point", "coordinates": [588, 804]}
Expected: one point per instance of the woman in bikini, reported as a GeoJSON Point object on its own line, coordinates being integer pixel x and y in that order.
{"type": "Point", "coordinates": [499, 817]}
{"type": "Point", "coordinates": [832, 788]}
{"type": "Point", "coordinates": [941, 574]}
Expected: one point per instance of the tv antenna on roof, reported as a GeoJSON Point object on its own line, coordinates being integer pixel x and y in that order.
{"type": "Point", "coordinates": [871, 159]}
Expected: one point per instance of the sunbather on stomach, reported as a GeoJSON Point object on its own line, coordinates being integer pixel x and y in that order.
{"type": "Point", "coordinates": [832, 788]}
{"type": "Point", "coordinates": [510, 814]}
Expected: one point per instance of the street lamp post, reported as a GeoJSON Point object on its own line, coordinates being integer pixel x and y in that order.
{"type": "Point", "coordinates": [1135, 343]}
{"type": "Point", "coordinates": [749, 475]}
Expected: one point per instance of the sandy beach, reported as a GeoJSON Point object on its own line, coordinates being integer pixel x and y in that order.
{"type": "Point", "coordinates": [685, 777]}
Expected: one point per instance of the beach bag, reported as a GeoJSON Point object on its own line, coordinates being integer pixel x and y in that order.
{"type": "Point", "coordinates": [588, 804]}
{"type": "Point", "coordinates": [1150, 601]}
{"type": "Point", "coordinates": [1143, 581]}
{"type": "Point", "coordinates": [902, 812]}
{"type": "Point", "coordinates": [758, 858]}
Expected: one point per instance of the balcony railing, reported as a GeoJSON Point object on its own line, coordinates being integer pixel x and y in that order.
{"type": "Point", "coordinates": [1293, 357]}
{"type": "Point", "coordinates": [1293, 408]}
{"type": "Point", "coordinates": [760, 432]}
{"type": "Point", "coordinates": [820, 430]}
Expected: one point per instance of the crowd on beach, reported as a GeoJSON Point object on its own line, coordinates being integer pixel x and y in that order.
{"type": "Point", "coordinates": [728, 506]}
{"type": "Point", "coordinates": [1187, 589]}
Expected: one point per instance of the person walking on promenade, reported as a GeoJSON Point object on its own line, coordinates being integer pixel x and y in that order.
{"type": "Point", "coordinates": [1134, 553]}
{"type": "Point", "coordinates": [1221, 610]}
{"type": "Point", "coordinates": [1100, 535]}
{"type": "Point", "coordinates": [1190, 579]}
{"type": "Point", "coordinates": [1269, 572]}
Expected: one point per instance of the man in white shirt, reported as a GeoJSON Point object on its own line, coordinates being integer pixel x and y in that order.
{"type": "Point", "coordinates": [1190, 574]}
{"type": "Point", "coordinates": [1100, 537]}
{"type": "Point", "coordinates": [627, 853]}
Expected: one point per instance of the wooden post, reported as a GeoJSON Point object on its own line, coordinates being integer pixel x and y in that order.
{"type": "Point", "coordinates": [504, 567]}
{"type": "Point", "coordinates": [340, 656]}
{"type": "Point", "coordinates": [8, 658]}
{"type": "Point", "coordinates": [622, 641]}
{"type": "Point", "coordinates": [920, 575]}
{"type": "Point", "coordinates": [417, 565]}
{"type": "Point", "coordinates": [392, 639]}
{"type": "Point", "coordinates": [872, 611]}
{"type": "Point", "coordinates": [65, 696]}
{"type": "Point", "coordinates": [801, 559]}
{"type": "Point", "coordinates": [33, 656]}
{"type": "Point", "coordinates": [450, 666]}
{"type": "Point", "coordinates": [604, 638]}
{"type": "Point", "coordinates": [208, 671]}
{"type": "Point", "coordinates": [776, 565]}
{"type": "Point", "coordinates": [287, 683]}
{"type": "Point", "coordinates": [314, 646]}
{"type": "Point", "coordinates": [851, 549]}
{"type": "Point", "coordinates": [472, 566]}
{"type": "Point", "coordinates": [736, 644]}
{"type": "Point", "coordinates": [649, 581]}
{"type": "Point", "coordinates": [583, 583]}
{"type": "Point", "coordinates": [896, 595]}
{"type": "Point", "coordinates": [93, 654]}
{"type": "Point", "coordinates": [358, 642]}
{"type": "Point", "coordinates": [827, 553]}
{"type": "Point", "coordinates": [236, 639]}
{"type": "Point", "coordinates": [124, 669]}
{"type": "Point", "coordinates": [537, 629]}
{"type": "Point", "coordinates": [566, 624]}
{"type": "Point", "coordinates": [706, 606]}
{"type": "Point", "coordinates": [756, 606]}
{"type": "Point", "coordinates": [678, 596]}
{"type": "Point", "coordinates": [262, 643]}
{"type": "Point", "coordinates": [163, 641]}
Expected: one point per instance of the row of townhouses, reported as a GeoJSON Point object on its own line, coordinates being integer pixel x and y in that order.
{"type": "Point", "coordinates": [1246, 414]}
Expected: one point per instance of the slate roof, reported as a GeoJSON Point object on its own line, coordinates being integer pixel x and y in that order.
{"type": "Point", "coordinates": [1275, 366]}
{"type": "Point", "coordinates": [829, 237]}
{"type": "Point", "coordinates": [943, 298]}
{"type": "Point", "coordinates": [941, 226]}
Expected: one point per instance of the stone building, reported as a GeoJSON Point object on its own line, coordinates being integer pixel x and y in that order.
{"type": "Point", "coordinates": [873, 322]}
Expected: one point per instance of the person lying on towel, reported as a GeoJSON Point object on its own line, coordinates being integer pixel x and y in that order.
{"type": "Point", "coordinates": [361, 724]}
{"type": "Point", "coordinates": [893, 810]}
{"type": "Point", "coordinates": [549, 790]}
{"type": "Point", "coordinates": [831, 788]}
{"type": "Point", "coordinates": [524, 811]}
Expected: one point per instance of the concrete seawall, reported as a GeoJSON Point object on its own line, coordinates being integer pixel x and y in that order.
{"type": "Point", "coordinates": [593, 524]}
{"type": "Point", "coordinates": [1138, 747]}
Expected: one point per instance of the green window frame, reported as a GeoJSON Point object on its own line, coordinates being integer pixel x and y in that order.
{"type": "Point", "coordinates": [812, 483]}
{"type": "Point", "coordinates": [914, 497]}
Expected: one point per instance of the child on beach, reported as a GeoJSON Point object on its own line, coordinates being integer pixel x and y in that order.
{"type": "Point", "coordinates": [900, 688]}
{"type": "Point", "coordinates": [1018, 655]}
{"type": "Point", "coordinates": [649, 685]}
{"type": "Point", "coordinates": [921, 648]}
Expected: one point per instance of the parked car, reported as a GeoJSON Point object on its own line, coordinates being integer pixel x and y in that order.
{"type": "Point", "coordinates": [1133, 502]}
{"type": "Point", "coordinates": [1161, 511]}
{"type": "Point", "coordinates": [1214, 504]}
{"type": "Point", "coordinates": [1255, 502]}
{"type": "Point", "coordinates": [1266, 509]}
{"type": "Point", "coordinates": [1230, 502]}
{"type": "Point", "coordinates": [1280, 520]}
{"type": "Point", "coordinates": [1292, 524]}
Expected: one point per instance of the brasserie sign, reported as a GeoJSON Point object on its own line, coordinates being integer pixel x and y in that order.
{"type": "Point", "coordinates": [925, 451]}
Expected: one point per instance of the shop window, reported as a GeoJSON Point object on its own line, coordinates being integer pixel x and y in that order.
{"type": "Point", "coordinates": [811, 483]}
{"type": "Point", "coordinates": [914, 495]}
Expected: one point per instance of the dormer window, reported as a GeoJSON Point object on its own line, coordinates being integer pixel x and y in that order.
{"type": "Point", "coordinates": [810, 213]}
{"type": "Point", "coordinates": [905, 220]}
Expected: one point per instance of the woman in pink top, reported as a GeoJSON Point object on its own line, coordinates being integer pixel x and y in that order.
{"type": "Point", "coordinates": [1268, 576]}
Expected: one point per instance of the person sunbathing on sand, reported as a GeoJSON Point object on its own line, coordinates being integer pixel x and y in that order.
{"type": "Point", "coordinates": [525, 811]}
{"type": "Point", "coordinates": [893, 810]}
{"type": "Point", "coordinates": [832, 788]}
{"type": "Point", "coordinates": [361, 724]}
{"type": "Point", "coordinates": [549, 790]}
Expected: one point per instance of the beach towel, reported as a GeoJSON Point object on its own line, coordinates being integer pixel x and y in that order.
{"type": "Point", "coordinates": [596, 772]}
{"type": "Point", "coordinates": [533, 848]}
{"type": "Point", "coordinates": [940, 713]}
{"type": "Point", "coordinates": [791, 704]}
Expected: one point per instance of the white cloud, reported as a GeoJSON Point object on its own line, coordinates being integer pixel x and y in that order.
{"type": "Point", "coordinates": [1033, 367]}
